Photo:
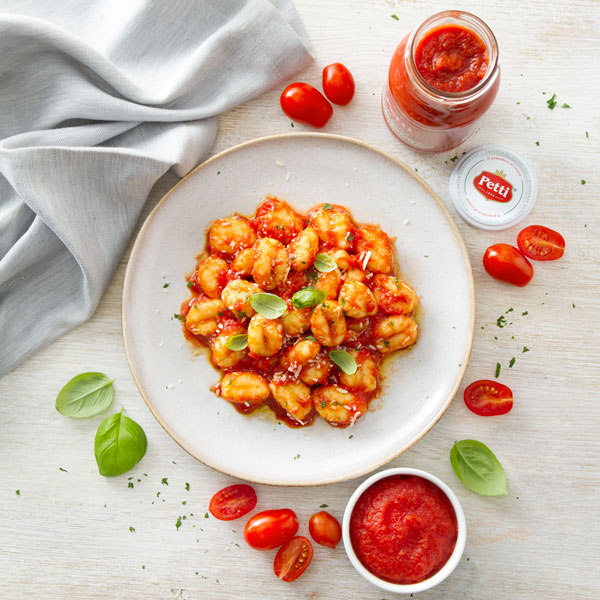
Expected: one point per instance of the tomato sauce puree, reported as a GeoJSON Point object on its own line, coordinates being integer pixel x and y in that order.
{"type": "Point", "coordinates": [451, 58]}
{"type": "Point", "coordinates": [403, 529]}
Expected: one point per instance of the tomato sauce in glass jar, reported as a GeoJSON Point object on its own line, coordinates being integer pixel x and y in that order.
{"type": "Point", "coordinates": [443, 76]}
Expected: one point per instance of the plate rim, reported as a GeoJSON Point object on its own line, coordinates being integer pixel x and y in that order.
{"type": "Point", "coordinates": [127, 282]}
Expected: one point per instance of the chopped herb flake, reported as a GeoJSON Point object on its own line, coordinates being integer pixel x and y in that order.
{"type": "Point", "coordinates": [178, 523]}
{"type": "Point", "coordinates": [587, 135]}
{"type": "Point", "coordinates": [454, 158]}
{"type": "Point", "coordinates": [387, 344]}
{"type": "Point", "coordinates": [296, 457]}
{"type": "Point", "coordinates": [327, 206]}
{"type": "Point", "coordinates": [206, 515]}
{"type": "Point", "coordinates": [166, 285]}
{"type": "Point", "coordinates": [178, 316]}
{"type": "Point", "coordinates": [512, 362]}
{"type": "Point", "coordinates": [63, 470]}
{"type": "Point", "coordinates": [395, 17]}
{"type": "Point", "coordinates": [501, 321]}
{"type": "Point", "coordinates": [18, 492]}
{"type": "Point", "coordinates": [537, 143]}
{"type": "Point", "coordinates": [164, 481]}
{"type": "Point", "coordinates": [509, 310]}
{"type": "Point", "coordinates": [497, 370]}
{"type": "Point", "coordinates": [132, 529]}
{"type": "Point", "coordinates": [583, 182]}
{"type": "Point", "coordinates": [525, 313]}
{"type": "Point", "coordinates": [552, 102]}
{"type": "Point", "coordinates": [190, 284]}
{"type": "Point", "coordinates": [130, 484]}
{"type": "Point", "coordinates": [565, 105]}
{"type": "Point", "coordinates": [187, 487]}
{"type": "Point", "coordinates": [525, 349]}
{"type": "Point", "coordinates": [324, 506]}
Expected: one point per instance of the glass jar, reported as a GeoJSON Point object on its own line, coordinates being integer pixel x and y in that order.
{"type": "Point", "coordinates": [428, 118]}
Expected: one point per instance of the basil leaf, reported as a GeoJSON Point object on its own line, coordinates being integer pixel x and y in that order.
{"type": "Point", "coordinates": [119, 445]}
{"type": "Point", "coordinates": [344, 360]}
{"type": "Point", "coordinates": [86, 395]}
{"type": "Point", "coordinates": [478, 468]}
{"type": "Point", "coordinates": [325, 263]}
{"type": "Point", "coordinates": [307, 297]}
{"type": "Point", "coordinates": [239, 341]}
{"type": "Point", "coordinates": [268, 305]}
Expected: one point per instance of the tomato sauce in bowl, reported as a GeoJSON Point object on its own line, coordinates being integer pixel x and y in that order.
{"type": "Point", "coordinates": [404, 530]}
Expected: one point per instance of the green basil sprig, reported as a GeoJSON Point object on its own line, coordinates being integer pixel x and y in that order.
{"type": "Point", "coordinates": [268, 305]}
{"type": "Point", "coordinates": [478, 468]}
{"type": "Point", "coordinates": [325, 263]}
{"type": "Point", "coordinates": [119, 445]}
{"type": "Point", "coordinates": [236, 342]}
{"type": "Point", "coordinates": [344, 360]}
{"type": "Point", "coordinates": [307, 297]}
{"type": "Point", "coordinates": [86, 395]}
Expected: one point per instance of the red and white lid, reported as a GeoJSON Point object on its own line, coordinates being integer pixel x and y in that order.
{"type": "Point", "coordinates": [493, 187]}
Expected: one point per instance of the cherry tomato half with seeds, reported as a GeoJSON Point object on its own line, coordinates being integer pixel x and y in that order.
{"type": "Point", "coordinates": [271, 528]}
{"type": "Point", "coordinates": [302, 102]}
{"type": "Point", "coordinates": [338, 84]}
{"type": "Point", "coordinates": [325, 529]}
{"type": "Point", "coordinates": [541, 243]}
{"type": "Point", "coordinates": [232, 502]}
{"type": "Point", "coordinates": [488, 398]}
{"type": "Point", "coordinates": [506, 263]}
{"type": "Point", "coordinates": [293, 558]}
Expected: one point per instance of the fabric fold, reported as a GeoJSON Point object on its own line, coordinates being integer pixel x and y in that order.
{"type": "Point", "coordinates": [97, 103]}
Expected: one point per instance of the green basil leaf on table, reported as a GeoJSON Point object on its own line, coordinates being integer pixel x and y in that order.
{"type": "Point", "coordinates": [119, 445]}
{"type": "Point", "coordinates": [236, 342]}
{"type": "Point", "coordinates": [86, 395]}
{"type": "Point", "coordinates": [325, 263]}
{"type": "Point", "coordinates": [307, 297]}
{"type": "Point", "coordinates": [344, 360]}
{"type": "Point", "coordinates": [268, 305]}
{"type": "Point", "coordinates": [478, 468]}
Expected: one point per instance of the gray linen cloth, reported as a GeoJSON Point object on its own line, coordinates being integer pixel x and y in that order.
{"type": "Point", "coordinates": [98, 99]}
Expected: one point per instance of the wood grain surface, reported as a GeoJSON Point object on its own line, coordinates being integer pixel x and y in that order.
{"type": "Point", "coordinates": [67, 533]}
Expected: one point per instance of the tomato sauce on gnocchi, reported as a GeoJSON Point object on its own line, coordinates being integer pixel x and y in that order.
{"type": "Point", "coordinates": [284, 363]}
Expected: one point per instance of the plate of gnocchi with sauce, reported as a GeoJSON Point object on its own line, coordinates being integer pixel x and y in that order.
{"type": "Point", "coordinates": [298, 310]}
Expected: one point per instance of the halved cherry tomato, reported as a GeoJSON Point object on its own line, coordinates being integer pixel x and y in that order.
{"type": "Point", "coordinates": [271, 528]}
{"type": "Point", "coordinates": [541, 243]}
{"type": "Point", "coordinates": [338, 84]}
{"type": "Point", "coordinates": [488, 398]}
{"type": "Point", "coordinates": [325, 529]}
{"type": "Point", "coordinates": [232, 502]}
{"type": "Point", "coordinates": [293, 558]}
{"type": "Point", "coordinates": [304, 103]}
{"type": "Point", "coordinates": [506, 263]}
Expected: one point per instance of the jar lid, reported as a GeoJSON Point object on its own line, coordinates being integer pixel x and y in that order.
{"type": "Point", "coordinates": [493, 187]}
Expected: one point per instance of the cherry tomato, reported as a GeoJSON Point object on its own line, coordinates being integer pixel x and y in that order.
{"type": "Point", "coordinates": [304, 103]}
{"type": "Point", "coordinates": [506, 263]}
{"type": "Point", "coordinates": [325, 529]}
{"type": "Point", "coordinates": [488, 398]}
{"type": "Point", "coordinates": [271, 528]}
{"type": "Point", "coordinates": [541, 243]}
{"type": "Point", "coordinates": [232, 502]}
{"type": "Point", "coordinates": [293, 558]}
{"type": "Point", "coordinates": [338, 83]}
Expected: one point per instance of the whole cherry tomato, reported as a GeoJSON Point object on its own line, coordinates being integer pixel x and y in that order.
{"type": "Point", "coordinates": [271, 528]}
{"type": "Point", "coordinates": [506, 263]}
{"type": "Point", "coordinates": [232, 502]}
{"type": "Point", "coordinates": [338, 84]}
{"type": "Point", "coordinates": [488, 398]}
{"type": "Point", "coordinates": [325, 529]}
{"type": "Point", "coordinates": [541, 243]}
{"type": "Point", "coordinates": [304, 103]}
{"type": "Point", "coordinates": [293, 558]}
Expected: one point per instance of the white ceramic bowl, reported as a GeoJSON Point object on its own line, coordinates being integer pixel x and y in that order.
{"type": "Point", "coordinates": [434, 579]}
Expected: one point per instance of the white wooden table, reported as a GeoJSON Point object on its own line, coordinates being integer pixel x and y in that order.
{"type": "Point", "coordinates": [67, 534]}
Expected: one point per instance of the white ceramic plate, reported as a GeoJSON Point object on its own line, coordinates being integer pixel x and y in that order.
{"type": "Point", "coordinates": [303, 169]}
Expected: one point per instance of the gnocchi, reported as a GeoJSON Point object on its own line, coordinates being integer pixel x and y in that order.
{"type": "Point", "coordinates": [281, 357]}
{"type": "Point", "coordinates": [230, 235]}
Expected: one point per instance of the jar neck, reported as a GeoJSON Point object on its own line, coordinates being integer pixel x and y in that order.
{"type": "Point", "coordinates": [463, 19]}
